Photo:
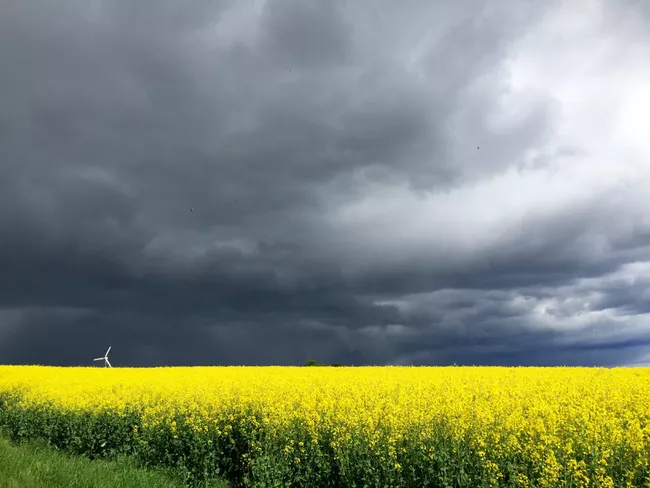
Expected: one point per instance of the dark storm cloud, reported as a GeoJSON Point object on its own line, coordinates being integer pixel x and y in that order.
{"type": "Point", "coordinates": [175, 182]}
{"type": "Point", "coordinates": [306, 35]}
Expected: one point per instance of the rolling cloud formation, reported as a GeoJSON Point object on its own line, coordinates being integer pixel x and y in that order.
{"type": "Point", "coordinates": [366, 182]}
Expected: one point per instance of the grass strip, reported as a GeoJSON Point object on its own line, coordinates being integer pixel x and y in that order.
{"type": "Point", "coordinates": [34, 465]}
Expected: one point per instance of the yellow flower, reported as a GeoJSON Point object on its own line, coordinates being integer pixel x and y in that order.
{"type": "Point", "coordinates": [548, 417]}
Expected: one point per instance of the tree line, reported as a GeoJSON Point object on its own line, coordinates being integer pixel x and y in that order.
{"type": "Point", "coordinates": [313, 362]}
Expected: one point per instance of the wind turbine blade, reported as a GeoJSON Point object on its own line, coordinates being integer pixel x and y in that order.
{"type": "Point", "coordinates": [98, 359]}
{"type": "Point", "coordinates": [109, 364]}
{"type": "Point", "coordinates": [108, 350]}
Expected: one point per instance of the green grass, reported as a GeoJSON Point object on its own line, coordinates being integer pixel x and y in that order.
{"type": "Point", "coordinates": [34, 465]}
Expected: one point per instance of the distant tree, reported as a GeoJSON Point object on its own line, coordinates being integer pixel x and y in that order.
{"type": "Point", "coordinates": [337, 365]}
{"type": "Point", "coordinates": [312, 362]}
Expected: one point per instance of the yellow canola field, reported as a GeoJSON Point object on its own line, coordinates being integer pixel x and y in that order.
{"type": "Point", "coordinates": [488, 426]}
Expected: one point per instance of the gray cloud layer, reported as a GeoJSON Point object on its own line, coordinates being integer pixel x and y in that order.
{"type": "Point", "coordinates": [361, 182]}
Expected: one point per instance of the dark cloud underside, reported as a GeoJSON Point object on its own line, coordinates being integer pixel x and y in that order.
{"type": "Point", "coordinates": [267, 182]}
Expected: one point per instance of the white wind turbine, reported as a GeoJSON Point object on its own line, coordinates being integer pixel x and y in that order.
{"type": "Point", "coordinates": [105, 358]}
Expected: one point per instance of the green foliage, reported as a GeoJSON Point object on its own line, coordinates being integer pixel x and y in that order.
{"type": "Point", "coordinates": [249, 456]}
{"type": "Point", "coordinates": [34, 465]}
{"type": "Point", "coordinates": [239, 448]}
{"type": "Point", "coordinates": [313, 362]}
{"type": "Point", "coordinates": [109, 436]}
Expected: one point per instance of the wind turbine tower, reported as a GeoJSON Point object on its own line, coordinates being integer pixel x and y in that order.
{"type": "Point", "coordinates": [105, 358]}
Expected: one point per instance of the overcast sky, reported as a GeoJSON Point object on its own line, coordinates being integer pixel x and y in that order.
{"type": "Point", "coordinates": [363, 181]}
